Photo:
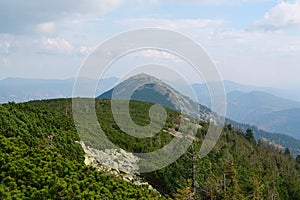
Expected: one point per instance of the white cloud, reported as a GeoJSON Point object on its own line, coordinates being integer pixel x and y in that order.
{"type": "Point", "coordinates": [257, 42]}
{"type": "Point", "coordinates": [7, 45]}
{"type": "Point", "coordinates": [4, 47]}
{"type": "Point", "coordinates": [47, 27]}
{"type": "Point", "coordinates": [84, 50]}
{"type": "Point", "coordinates": [257, 57]}
{"type": "Point", "coordinates": [284, 14]}
{"type": "Point", "coordinates": [34, 14]}
{"type": "Point", "coordinates": [6, 61]}
{"type": "Point", "coordinates": [245, 37]}
{"type": "Point", "coordinates": [288, 49]}
{"type": "Point", "coordinates": [156, 54]}
{"type": "Point", "coordinates": [214, 2]}
{"type": "Point", "coordinates": [220, 2]}
{"type": "Point", "coordinates": [171, 23]}
{"type": "Point", "coordinates": [55, 46]}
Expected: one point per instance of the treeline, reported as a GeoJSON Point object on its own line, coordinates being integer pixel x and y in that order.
{"type": "Point", "coordinates": [283, 140]}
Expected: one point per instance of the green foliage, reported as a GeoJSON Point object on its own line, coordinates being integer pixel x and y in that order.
{"type": "Point", "coordinates": [140, 115]}
{"type": "Point", "coordinates": [32, 168]}
{"type": "Point", "coordinates": [287, 152]}
{"type": "Point", "coordinates": [250, 136]}
{"type": "Point", "coordinates": [298, 159]}
{"type": "Point", "coordinates": [235, 169]}
{"type": "Point", "coordinates": [275, 138]}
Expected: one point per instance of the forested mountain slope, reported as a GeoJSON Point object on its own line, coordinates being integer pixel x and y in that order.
{"type": "Point", "coordinates": [157, 91]}
{"type": "Point", "coordinates": [33, 168]}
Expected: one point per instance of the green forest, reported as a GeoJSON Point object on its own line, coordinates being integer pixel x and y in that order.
{"type": "Point", "coordinates": [35, 166]}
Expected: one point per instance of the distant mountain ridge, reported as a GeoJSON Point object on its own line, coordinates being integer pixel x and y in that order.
{"type": "Point", "coordinates": [291, 94]}
{"type": "Point", "coordinates": [22, 90]}
{"type": "Point", "coordinates": [246, 104]}
{"type": "Point", "coordinates": [265, 110]}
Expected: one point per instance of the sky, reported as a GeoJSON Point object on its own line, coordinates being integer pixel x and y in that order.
{"type": "Point", "coordinates": [253, 42]}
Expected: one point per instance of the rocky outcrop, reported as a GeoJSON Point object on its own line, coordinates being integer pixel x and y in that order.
{"type": "Point", "coordinates": [115, 161]}
{"type": "Point", "coordinates": [112, 159]}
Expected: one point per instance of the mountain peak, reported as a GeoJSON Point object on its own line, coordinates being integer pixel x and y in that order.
{"type": "Point", "coordinates": [148, 88]}
{"type": "Point", "coordinates": [144, 77]}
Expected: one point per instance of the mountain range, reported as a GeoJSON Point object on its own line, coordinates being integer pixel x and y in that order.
{"type": "Point", "coordinates": [267, 108]}
{"type": "Point", "coordinates": [22, 90]}
{"type": "Point", "coordinates": [257, 107]}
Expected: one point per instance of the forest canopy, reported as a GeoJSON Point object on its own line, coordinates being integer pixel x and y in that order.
{"type": "Point", "coordinates": [36, 166]}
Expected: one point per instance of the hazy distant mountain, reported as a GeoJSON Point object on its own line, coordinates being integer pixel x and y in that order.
{"type": "Point", "coordinates": [284, 121]}
{"type": "Point", "coordinates": [244, 106]}
{"type": "Point", "coordinates": [230, 86]}
{"type": "Point", "coordinates": [20, 90]}
{"type": "Point", "coordinates": [252, 105]}
{"type": "Point", "coordinates": [266, 111]}
{"type": "Point", "coordinates": [283, 93]}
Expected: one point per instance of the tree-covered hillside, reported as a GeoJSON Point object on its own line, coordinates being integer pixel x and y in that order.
{"type": "Point", "coordinates": [34, 167]}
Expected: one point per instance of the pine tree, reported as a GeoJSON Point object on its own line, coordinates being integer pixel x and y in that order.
{"type": "Point", "coordinates": [298, 159]}
{"type": "Point", "coordinates": [250, 136]}
{"type": "Point", "coordinates": [287, 152]}
{"type": "Point", "coordinates": [185, 193]}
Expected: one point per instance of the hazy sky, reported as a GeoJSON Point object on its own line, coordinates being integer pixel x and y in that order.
{"type": "Point", "coordinates": [251, 41]}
